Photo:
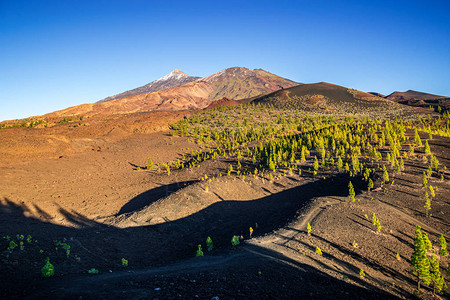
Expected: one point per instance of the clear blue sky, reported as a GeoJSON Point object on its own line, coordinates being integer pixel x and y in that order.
{"type": "Point", "coordinates": [55, 54]}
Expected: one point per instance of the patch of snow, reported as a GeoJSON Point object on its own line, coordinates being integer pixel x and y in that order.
{"type": "Point", "coordinates": [175, 74]}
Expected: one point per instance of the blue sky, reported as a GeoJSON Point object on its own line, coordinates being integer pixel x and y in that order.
{"type": "Point", "coordinates": [55, 54]}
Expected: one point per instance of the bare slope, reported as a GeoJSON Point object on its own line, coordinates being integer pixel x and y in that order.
{"type": "Point", "coordinates": [419, 99]}
{"type": "Point", "coordinates": [326, 97]}
{"type": "Point", "coordinates": [167, 82]}
{"type": "Point", "coordinates": [241, 83]}
{"type": "Point", "coordinates": [412, 95]}
{"type": "Point", "coordinates": [234, 83]}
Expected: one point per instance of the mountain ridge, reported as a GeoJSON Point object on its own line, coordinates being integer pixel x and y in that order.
{"type": "Point", "coordinates": [235, 83]}
{"type": "Point", "coordinates": [167, 82]}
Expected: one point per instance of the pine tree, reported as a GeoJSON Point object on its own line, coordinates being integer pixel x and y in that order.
{"type": "Point", "coordinates": [308, 228]}
{"type": "Point", "coordinates": [339, 163]}
{"type": "Point", "coordinates": [199, 251]}
{"type": "Point", "coordinates": [432, 193]}
{"type": "Point", "coordinates": [385, 175]}
{"type": "Point", "coordinates": [318, 251]}
{"type": "Point", "coordinates": [424, 180]}
{"type": "Point", "coordinates": [378, 224]}
{"type": "Point", "coordinates": [443, 245]}
{"type": "Point", "coordinates": [436, 277]}
{"type": "Point", "coordinates": [209, 243]}
{"type": "Point", "coordinates": [351, 191]}
{"type": "Point", "coordinates": [149, 165]}
{"type": "Point", "coordinates": [427, 242]}
{"type": "Point", "coordinates": [427, 203]}
{"type": "Point", "coordinates": [316, 164]}
{"type": "Point", "coordinates": [417, 140]}
{"type": "Point", "coordinates": [302, 155]}
{"type": "Point", "coordinates": [370, 184]}
{"type": "Point", "coordinates": [427, 149]}
{"type": "Point", "coordinates": [419, 259]}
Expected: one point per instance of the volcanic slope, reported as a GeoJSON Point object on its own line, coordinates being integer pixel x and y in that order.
{"type": "Point", "coordinates": [167, 82]}
{"type": "Point", "coordinates": [329, 98]}
{"type": "Point", "coordinates": [412, 95]}
{"type": "Point", "coordinates": [234, 83]}
{"type": "Point", "coordinates": [419, 99]}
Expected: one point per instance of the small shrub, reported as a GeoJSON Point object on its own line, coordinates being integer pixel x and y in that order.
{"type": "Point", "coordinates": [93, 271]}
{"type": "Point", "coordinates": [199, 251]}
{"type": "Point", "coordinates": [209, 243]}
{"type": "Point", "coordinates": [48, 270]}
{"type": "Point", "coordinates": [235, 240]}
{"type": "Point", "coordinates": [318, 251]}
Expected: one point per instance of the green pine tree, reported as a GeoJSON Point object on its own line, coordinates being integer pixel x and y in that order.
{"type": "Point", "coordinates": [443, 245]}
{"type": "Point", "coordinates": [419, 259]}
{"type": "Point", "coordinates": [316, 164]}
{"type": "Point", "coordinates": [417, 140]}
{"type": "Point", "coordinates": [149, 165]}
{"type": "Point", "coordinates": [351, 191]}
{"type": "Point", "coordinates": [378, 224]}
{"type": "Point", "coordinates": [209, 243]}
{"type": "Point", "coordinates": [424, 180]}
{"type": "Point", "coordinates": [427, 203]}
{"type": "Point", "coordinates": [427, 149]}
{"type": "Point", "coordinates": [199, 251]}
{"type": "Point", "coordinates": [370, 184]}
{"type": "Point", "coordinates": [385, 175]}
{"type": "Point", "coordinates": [339, 164]}
{"type": "Point", "coordinates": [303, 154]}
{"type": "Point", "coordinates": [426, 240]}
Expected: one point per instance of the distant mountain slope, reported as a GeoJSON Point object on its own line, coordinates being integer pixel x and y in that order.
{"type": "Point", "coordinates": [241, 83]}
{"type": "Point", "coordinates": [222, 102]}
{"type": "Point", "coordinates": [377, 94]}
{"type": "Point", "coordinates": [419, 99]}
{"type": "Point", "coordinates": [167, 82]}
{"type": "Point", "coordinates": [234, 83]}
{"type": "Point", "coordinates": [412, 95]}
{"type": "Point", "coordinates": [326, 97]}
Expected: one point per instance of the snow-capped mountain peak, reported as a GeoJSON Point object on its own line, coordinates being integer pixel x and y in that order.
{"type": "Point", "coordinates": [171, 80]}
{"type": "Point", "coordinates": [175, 74]}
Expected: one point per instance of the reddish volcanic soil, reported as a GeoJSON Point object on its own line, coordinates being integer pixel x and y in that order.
{"type": "Point", "coordinates": [222, 102]}
{"type": "Point", "coordinates": [80, 186]}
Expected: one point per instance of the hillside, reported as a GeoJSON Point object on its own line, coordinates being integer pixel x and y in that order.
{"type": "Point", "coordinates": [241, 83]}
{"type": "Point", "coordinates": [234, 83]}
{"type": "Point", "coordinates": [330, 98]}
{"type": "Point", "coordinates": [419, 99]}
{"type": "Point", "coordinates": [411, 95]}
{"type": "Point", "coordinates": [259, 173]}
{"type": "Point", "coordinates": [167, 82]}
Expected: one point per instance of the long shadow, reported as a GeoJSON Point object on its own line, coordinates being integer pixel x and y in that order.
{"type": "Point", "coordinates": [151, 196]}
{"type": "Point", "coordinates": [144, 245]}
{"type": "Point", "coordinates": [385, 270]}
